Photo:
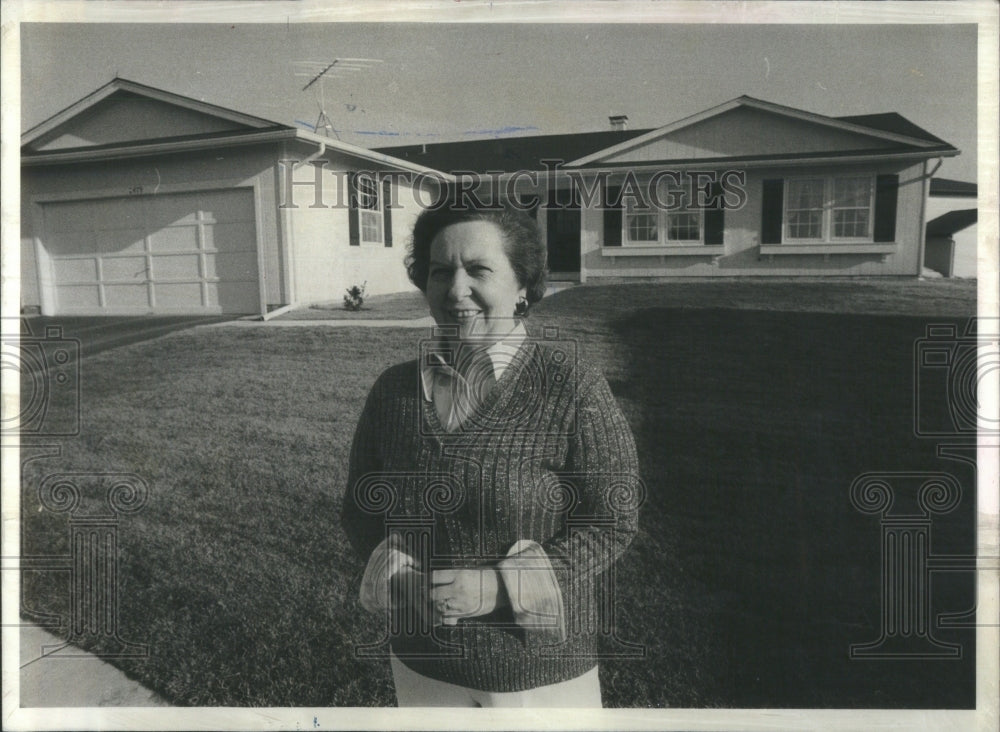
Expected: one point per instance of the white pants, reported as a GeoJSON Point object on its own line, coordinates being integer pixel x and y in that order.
{"type": "Point", "coordinates": [417, 690]}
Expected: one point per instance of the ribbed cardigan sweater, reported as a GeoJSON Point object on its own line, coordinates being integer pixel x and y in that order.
{"type": "Point", "coordinates": [548, 457]}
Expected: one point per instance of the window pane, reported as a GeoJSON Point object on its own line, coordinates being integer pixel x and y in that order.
{"type": "Point", "coordinates": [371, 226]}
{"type": "Point", "coordinates": [683, 227]}
{"type": "Point", "coordinates": [852, 192]}
{"type": "Point", "coordinates": [367, 193]}
{"type": "Point", "coordinates": [850, 223]}
{"type": "Point", "coordinates": [804, 210]}
{"type": "Point", "coordinates": [852, 207]}
{"type": "Point", "coordinates": [805, 224]}
{"type": "Point", "coordinates": [642, 227]}
{"type": "Point", "coordinates": [805, 194]}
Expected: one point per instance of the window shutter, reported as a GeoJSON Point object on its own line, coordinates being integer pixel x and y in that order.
{"type": "Point", "coordinates": [772, 209]}
{"type": "Point", "coordinates": [612, 216]}
{"type": "Point", "coordinates": [715, 217]}
{"type": "Point", "coordinates": [886, 191]}
{"type": "Point", "coordinates": [386, 212]}
{"type": "Point", "coordinates": [353, 227]}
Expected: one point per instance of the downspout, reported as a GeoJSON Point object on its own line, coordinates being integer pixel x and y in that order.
{"type": "Point", "coordinates": [314, 156]}
{"type": "Point", "coordinates": [926, 178]}
{"type": "Point", "coordinates": [931, 174]}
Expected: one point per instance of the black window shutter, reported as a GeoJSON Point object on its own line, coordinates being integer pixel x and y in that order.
{"type": "Point", "coordinates": [353, 226]}
{"type": "Point", "coordinates": [386, 212]}
{"type": "Point", "coordinates": [715, 217]}
{"type": "Point", "coordinates": [772, 210]}
{"type": "Point", "coordinates": [886, 191]}
{"type": "Point", "coordinates": [612, 216]}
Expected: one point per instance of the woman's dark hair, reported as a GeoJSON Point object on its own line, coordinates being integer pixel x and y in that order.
{"type": "Point", "coordinates": [522, 243]}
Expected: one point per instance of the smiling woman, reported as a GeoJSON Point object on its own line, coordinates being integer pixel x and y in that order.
{"type": "Point", "coordinates": [492, 484]}
{"type": "Point", "coordinates": [471, 283]}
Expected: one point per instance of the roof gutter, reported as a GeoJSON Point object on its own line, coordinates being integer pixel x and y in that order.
{"type": "Point", "coordinates": [365, 153]}
{"type": "Point", "coordinates": [758, 163]}
{"type": "Point", "coordinates": [155, 148]}
{"type": "Point", "coordinates": [163, 148]}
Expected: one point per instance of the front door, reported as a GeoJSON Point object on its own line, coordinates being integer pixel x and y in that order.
{"type": "Point", "coordinates": [563, 236]}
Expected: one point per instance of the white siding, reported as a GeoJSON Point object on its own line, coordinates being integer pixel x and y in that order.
{"type": "Point", "coordinates": [323, 261]}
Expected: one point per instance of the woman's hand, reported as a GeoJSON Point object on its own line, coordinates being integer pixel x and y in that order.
{"type": "Point", "coordinates": [408, 588]}
{"type": "Point", "coordinates": [465, 593]}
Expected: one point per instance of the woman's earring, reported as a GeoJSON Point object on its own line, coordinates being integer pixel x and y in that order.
{"type": "Point", "coordinates": [521, 309]}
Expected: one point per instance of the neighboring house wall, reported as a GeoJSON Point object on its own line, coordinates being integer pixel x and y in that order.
{"type": "Point", "coordinates": [740, 251]}
{"type": "Point", "coordinates": [966, 240]}
{"type": "Point", "coordinates": [939, 255]}
{"type": "Point", "coordinates": [251, 168]}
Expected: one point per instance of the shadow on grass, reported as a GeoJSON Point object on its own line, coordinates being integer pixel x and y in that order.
{"type": "Point", "coordinates": [753, 573]}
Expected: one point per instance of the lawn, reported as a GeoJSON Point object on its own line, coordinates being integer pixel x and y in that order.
{"type": "Point", "coordinates": [754, 406]}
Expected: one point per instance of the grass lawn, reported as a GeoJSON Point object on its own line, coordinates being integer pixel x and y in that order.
{"type": "Point", "coordinates": [754, 405]}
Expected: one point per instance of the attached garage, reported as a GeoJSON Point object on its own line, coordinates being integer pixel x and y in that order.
{"type": "Point", "coordinates": [138, 201]}
{"type": "Point", "coordinates": [192, 252]}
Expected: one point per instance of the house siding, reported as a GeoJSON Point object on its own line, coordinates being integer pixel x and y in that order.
{"type": "Point", "coordinates": [212, 170]}
{"type": "Point", "coordinates": [741, 239]}
{"type": "Point", "coordinates": [323, 261]}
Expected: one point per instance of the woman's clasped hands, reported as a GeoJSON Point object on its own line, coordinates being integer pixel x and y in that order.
{"type": "Point", "coordinates": [445, 595]}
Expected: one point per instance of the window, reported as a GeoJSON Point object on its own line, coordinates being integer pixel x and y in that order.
{"type": "Point", "coordinates": [646, 224]}
{"type": "Point", "coordinates": [829, 209]}
{"type": "Point", "coordinates": [641, 223]}
{"type": "Point", "coordinates": [370, 209]}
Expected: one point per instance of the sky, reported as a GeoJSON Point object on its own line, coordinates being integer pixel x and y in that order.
{"type": "Point", "coordinates": [442, 81]}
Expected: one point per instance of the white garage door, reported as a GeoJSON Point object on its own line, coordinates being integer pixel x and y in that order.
{"type": "Point", "coordinates": [182, 253]}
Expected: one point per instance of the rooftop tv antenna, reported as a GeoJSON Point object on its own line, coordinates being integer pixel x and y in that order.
{"type": "Point", "coordinates": [318, 72]}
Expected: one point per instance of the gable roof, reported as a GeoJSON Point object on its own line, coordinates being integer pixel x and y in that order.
{"type": "Point", "coordinates": [893, 135]}
{"type": "Point", "coordinates": [508, 154]}
{"type": "Point", "coordinates": [125, 88]}
{"type": "Point", "coordinates": [208, 126]}
{"type": "Point", "coordinates": [885, 127]}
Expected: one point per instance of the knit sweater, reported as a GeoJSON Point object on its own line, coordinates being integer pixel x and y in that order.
{"type": "Point", "coordinates": [548, 457]}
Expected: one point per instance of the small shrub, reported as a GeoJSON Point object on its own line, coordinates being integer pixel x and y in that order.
{"type": "Point", "coordinates": [355, 297]}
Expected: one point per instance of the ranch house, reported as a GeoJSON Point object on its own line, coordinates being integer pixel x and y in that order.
{"type": "Point", "coordinates": [744, 188]}
{"type": "Point", "coordinates": [135, 200]}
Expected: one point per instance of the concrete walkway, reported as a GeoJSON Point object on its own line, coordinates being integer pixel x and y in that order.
{"type": "Point", "coordinates": [69, 677]}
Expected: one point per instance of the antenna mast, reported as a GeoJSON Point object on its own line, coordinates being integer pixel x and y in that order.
{"type": "Point", "coordinates": [327, 71]}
